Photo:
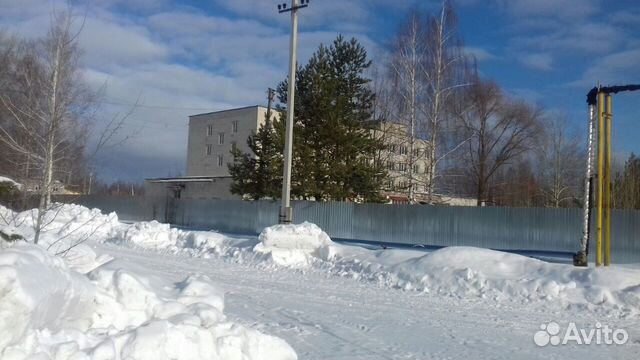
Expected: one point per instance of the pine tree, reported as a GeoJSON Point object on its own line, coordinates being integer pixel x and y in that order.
{"type": "Point", "coordinates": [626, 187]}
{"type": "Point", "coordinates": [258, 175]}
{"type": "Point", "coordinates": [333, 147]}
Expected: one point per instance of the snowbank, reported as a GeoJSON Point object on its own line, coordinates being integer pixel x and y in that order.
{"type": "Point", "coordinates": [11, 181]}
{"type": "Point", "coordinates": [38, 291]}
{"type": "Point", "coordinates": [65, 230]}
{"type": "Point", "coordinates": [460, 272]}
{"type": "Point", "coordinates": [294, 245]}
{"type": "Point", "coordinates": [49, 311]}
{"type": "Point", "coordinates": [467, 271]}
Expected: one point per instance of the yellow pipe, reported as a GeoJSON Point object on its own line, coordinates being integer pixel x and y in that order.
{"type": "Point", "coordinates": [600, 180]}
{"type": "Point", "coordinates": [607, 185]}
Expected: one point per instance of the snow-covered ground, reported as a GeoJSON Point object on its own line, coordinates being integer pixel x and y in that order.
{"type": "Point", "coordinates": [331, 301]}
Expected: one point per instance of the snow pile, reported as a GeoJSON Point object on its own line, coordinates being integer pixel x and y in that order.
{"type": "Point", "coordinates": [48, 311]}
{"type": "Point", "coordinates": [149, 235]}
{"type": "Point", "coordinates": [460, 272]}
{"type": "Point", "coordinates": [467, 271]}
{"type": "Point", "coordinates": [11, 181]}
{"type": "Point", "coordinates": [38, 291]}
{"type": "Point", "coordinates": [65, 229]}
{"type": "Point", "coordinates": [295, 245]}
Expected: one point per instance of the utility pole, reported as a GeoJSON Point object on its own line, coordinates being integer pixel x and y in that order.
{"type": "Point", "coordinates": [286, 213]}
{"type": "Point", "coordinates": [270, 95]}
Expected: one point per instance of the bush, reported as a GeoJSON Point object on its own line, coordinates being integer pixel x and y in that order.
{"type": "Point", "coordinates": [8, 192]}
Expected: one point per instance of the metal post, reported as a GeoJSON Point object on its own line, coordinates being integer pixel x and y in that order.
{"type": "Point", "coordinates": [581, 258]}
{"type": "Point", "coordinates": [607, 184]}
{"type": "Point", "coordinates": [286, 213]}
{"type": "Point", "coordinates": [600, 194]}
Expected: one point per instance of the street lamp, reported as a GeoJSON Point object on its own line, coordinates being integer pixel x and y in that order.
{"type": "Point", "coordinates": [286, 213]}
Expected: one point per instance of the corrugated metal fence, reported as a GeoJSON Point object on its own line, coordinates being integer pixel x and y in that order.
{"type": "Point", "coordinates": [536, 229]}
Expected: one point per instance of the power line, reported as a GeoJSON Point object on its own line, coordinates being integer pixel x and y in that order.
{"type": "Point", "coordinates": [122, 103]}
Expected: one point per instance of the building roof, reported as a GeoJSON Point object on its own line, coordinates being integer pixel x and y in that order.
{"type": "Point", "coordinates": [229, 110]}
{"type": "Point", "coordinates": [186, 179]}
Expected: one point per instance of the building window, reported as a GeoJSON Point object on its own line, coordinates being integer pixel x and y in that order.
{"type": "Point", "coordinates": [390, 185]}
{"type": "Point", "coordinates": [402, 167]}
{"type": "Point", "coordinates": [234, 126]}
{"type": "Point", "coordinates": [220, 160]}
{"type": "Point", "coordinates": [416, 169]}
{"type": "Point", "coordinates": [221, 138]}
{"type": "Point", "coordinates": [392, 148]}
{"type": "Point", "coordinates": [390, 165]}
{"type": "Point", "coordinates": [416, 152]}
{"type": "Point", "coordinates": [403, 150]}
{"type": "Point", "coordinates": [209, 130]}
{"type": "Point", "coordinates": [209, 149]}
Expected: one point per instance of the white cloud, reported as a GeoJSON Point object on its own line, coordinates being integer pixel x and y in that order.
{"type": "Point", "coordinates": [560, 9]}
{"type": "Point", "coordinates": [108, 44]}
{"type": "Point", "coordinates": [616, 69]}
{"type": "Point", "coordinates": [538, 61]}
{"type": "Point", "coordinates": [478, 53]}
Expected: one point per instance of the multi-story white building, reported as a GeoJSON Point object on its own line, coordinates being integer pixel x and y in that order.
{"type": "Point", "coordinates": [212, 136]}
{"type": "Point", "coordinates": [396, 159]}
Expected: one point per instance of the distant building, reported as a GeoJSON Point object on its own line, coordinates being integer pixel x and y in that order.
{"type": "Point", "coordinates": [396, 159]}
{"type": "Point", "coordinates": [211, 137]}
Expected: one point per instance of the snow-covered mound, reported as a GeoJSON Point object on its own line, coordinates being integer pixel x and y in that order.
{"type": "Point", "coordinates": [64, 231]}
{"type": "Point", "coordinates": [11, 181]}
{"type": "Point", "coordinates": [460, 272]}
{"type": "Point", "coordinates": [38, 291]}
{"type": "Point", "coordinates": [306, 236]}
{"type": "Point", "coordinates": [150, 235]}
{"type": "Point", "coordinates": [468, 271]}
{"type": "Point", "coordinates": [48, 311]}
{"type": "Point", "coordinates": [294, 245]}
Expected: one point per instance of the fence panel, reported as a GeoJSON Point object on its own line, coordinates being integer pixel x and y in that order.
{"type": "Point", "coordinates": [535, 229]}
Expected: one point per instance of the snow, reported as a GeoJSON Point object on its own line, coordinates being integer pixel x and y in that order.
{"type": "Point", "coordinates": [458, 272]}
{"type": "Point", "coordinates": [294, 245]}
{"type": "Point", "coordinates": [153, 292]}
{"type": "Point", "coordinates": [10, 180]}
{"type": "Point", "coordinates": [37, 290]}
{"type": "Point", "coordinates": [48, 310]}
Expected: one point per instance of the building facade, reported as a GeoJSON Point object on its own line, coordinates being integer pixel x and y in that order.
{"type": "Point", "coordinates": [212, 136]}
{"type": "Point", "coordinates": [403, 169]}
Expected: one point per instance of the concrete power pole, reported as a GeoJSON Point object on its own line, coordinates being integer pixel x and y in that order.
{"type": "Point", "coordinates": [286, 213]}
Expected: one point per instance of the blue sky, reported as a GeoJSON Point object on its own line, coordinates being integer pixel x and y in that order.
{"type": "Point", "coordinates": [185, 57]}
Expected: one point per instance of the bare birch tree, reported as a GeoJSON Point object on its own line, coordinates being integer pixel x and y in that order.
{"type": "Point", "coordinates": [443, 71]}
{"type": "Point", "coordinates": [559, 158]}
{"type": "Point", "coordinates": [427, 67]}
{"type": "Point", "coordinates": [407, 55]}
{"type": "Point", "coordinates": [46, 110]}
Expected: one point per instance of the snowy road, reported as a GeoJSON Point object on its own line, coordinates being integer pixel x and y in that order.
{"type": "Point", "coordinates": [330, 317]}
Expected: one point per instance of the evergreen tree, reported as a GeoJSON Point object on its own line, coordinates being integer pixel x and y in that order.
{"type": "Point", "coordinates": [626, 187]}
{"type": "Point", "coordinates": [258, 175]}
{"type": "Point", "coordinates": [333, 147]}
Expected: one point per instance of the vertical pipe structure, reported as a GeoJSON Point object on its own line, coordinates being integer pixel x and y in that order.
{"type": "Point", "coordinates": [286, 214]}
{"type": "Point", "coordinates": [607, 183]}
{"type": "Point", "coordinates": [600, 191]}
{"type": "Point", "coordinates": [588, 186]}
